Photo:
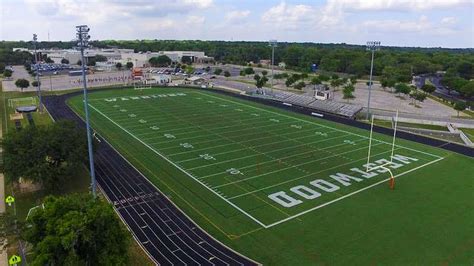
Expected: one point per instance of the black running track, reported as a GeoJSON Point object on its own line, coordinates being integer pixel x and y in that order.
{"type": "Point", "coordinates": [166, 233]}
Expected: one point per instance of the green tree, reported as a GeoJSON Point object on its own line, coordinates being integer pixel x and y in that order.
{"type": "Point", "coordinates": [323, 77]}
{"type": "Point", "coordinates": [428, 88]}
{"type": "Point", "coordinates": [160, 61]}
{"type": "Point", "coordinates": [315, 81]}
{"type": "Point", "coordinates": [76, 230]}
{"type": "Point", "coordinates": [348, 92]}
{"type": "Point", "coordinates": [49, 60]}
{"type": "Point", "coordinates": [118, 66]}
{"type": "Point", "coordinates": [334, 76]}
{"type": "Point", "coordinates": [402, 88]}
{"type": "Point", "coordinates": [353, 80]}
{"type": "Point", "coordinates": [22, 83]}
{"type": "Point", "coordinates": [7, 73]}
{"type": "Point", "coordinates": [226, 74]}
{"type": "Point", "coordinates": [79, 63]}
{"type": "Point", "coordinates": [249, 71]}
{"type": "Point", "coordinates": [64, 61]}
{"type": "Point", "coordinates": [217, 71]}
{"type": "Point", "coordinates": [459, 106]}
{"type": "Point", "coordinates": [46, 155]}
{"type": "Point", "coordinates": [35, 83]}
{"type": "Point", "coordinates": [129, 65]}
{"type": "Point", "coordinates": [417, 96]}
{"type": "Point", "coordinates": [264, 72]}
{"type": "Point", "coordinates": [467, 89]}
{"type": "Point", "coordinates": [260, 81]}
{"type": "Point", "coordinates": [300, 85]}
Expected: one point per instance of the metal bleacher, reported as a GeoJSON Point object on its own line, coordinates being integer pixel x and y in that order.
{"type": "Point", "coordinates": [346, 110]}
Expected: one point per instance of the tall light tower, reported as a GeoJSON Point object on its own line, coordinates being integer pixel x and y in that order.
{"type": "Point", "coordinates": [38, 89]}
{"type": "Point", "coordinates": [273, 44]}
{"type": "Point", "coordinates": [371, 46]}
{"type": "Point", "coordinates": [82, 43]}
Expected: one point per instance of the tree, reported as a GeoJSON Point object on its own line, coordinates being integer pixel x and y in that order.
{"type": "Point", "coordinates": [217, 71]}
{"type": "Point", "coordinates": [129, 65]}
{"type": "Point", "coordinates": [459, 106]}
{"type": "Point", "coordinates": [118, 66]}
{"type": "Point", "coordinates": [387, 83]}
{"type": "Point", "coordinates": [249, 71]}
{"type": "Point", "coordinates": [35, 83]}
{"type": "Point", "coordinates": [7, 73]}
{"type": "Point", "coordinates": [91, 62]}
{"type": "Point", "coordinates": [353, 80]}
{"type": "Point", "coordinates": [428, 88]}
{"type": "Point", "coordinates": [226, 74]}
{"type": "Point", "coordinates": [76, 230]}
{"type": "Point", "coordinates": [334, 76]}
{"type": "Point", "coordinates": [402, 88]}
{"type": "Point", "coordinates": [300, 85]}
{"type": "Point", "coordinates": [323, 77]}
{"type": "Point", "coordinates": [418, 96]}
{"type": "Point", "coordinates": [160, 61]}
{"type": "Point", "coordinates": [22, 83]}
{"type": "Point", "coordinates": [304, 76]}
{"type": "Point", "coordinates": [264, 72]}
{"type": "Point", "coordinates": [260, 81]}
{"type": "Point", "coordinates": [49, 60]}
{"type": "Point", "coordinates": [289, 81]}
{"type": "Point", "coordinates": [79, 63]}
{"type": "Point", "coordinates": [347, 91]}
{"type": "Point", "coordinates": [315, 81]}
{"type": "Point", "coordinates": [46, 155]}
{"type": "Point", "coordinates": [467, 89]}
{"type": "Point", "coordinates": [335, 83]}
{"type": "Point", "coordinates": [208, 69]}
{"type": "Point", "coordinates": [64, 61]}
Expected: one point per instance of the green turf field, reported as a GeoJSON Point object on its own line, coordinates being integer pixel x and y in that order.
{"type": "Point", "coordinates": [283, 187]}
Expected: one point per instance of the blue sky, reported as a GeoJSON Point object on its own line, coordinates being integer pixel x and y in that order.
{"type": "Point", "coordinates": [424, 23]}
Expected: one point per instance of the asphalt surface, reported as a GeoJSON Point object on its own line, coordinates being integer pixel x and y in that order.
{"type": "Point", "coordinates": [165, 232]}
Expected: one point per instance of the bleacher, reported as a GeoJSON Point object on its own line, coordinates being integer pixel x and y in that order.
{"type": "Point", "coordinates": [347, 110]}
{"type": "Point", "coordinates": [300, 100]}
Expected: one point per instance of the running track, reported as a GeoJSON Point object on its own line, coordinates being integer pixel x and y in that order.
{"type": "Point", "coordinates": [164, 231]}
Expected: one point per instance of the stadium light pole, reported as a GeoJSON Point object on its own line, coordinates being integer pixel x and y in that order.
{"type": "Point", "coordinates": [83, 42]}
{"type": "Point", "coordinates": [273, 44]}
{"type": "Point", "coordinates": [38, 89]}
{"type": "Point", "coordinates": [371, 46]}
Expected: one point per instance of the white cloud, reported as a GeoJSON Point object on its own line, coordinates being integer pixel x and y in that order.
{"type": "Point", "coordinates": [195, 20]}
{"type": "Point", "coordinates": [288, 16]}
{"type": "Point", "coordinates": [396, 5]}
{"type": "Point", "coordinates": [449, 20]}
{"type": "Point", "coordinates": [237, 15]}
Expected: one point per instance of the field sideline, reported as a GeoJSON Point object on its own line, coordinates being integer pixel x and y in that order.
{"type": "Point", "coordinates": [238, 167]}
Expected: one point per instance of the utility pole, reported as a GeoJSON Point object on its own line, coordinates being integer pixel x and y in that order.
{"type": "Point", "coordinates": [371, 46]}
{"type": "Point", "coordinates": [38, 89]}
{"type": "Point", "coordinates": [273, 44]}
{"type": "Point", "coordinates": [82, 43]}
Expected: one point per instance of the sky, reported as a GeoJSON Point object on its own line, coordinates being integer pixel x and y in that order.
{"type": "Point", "coordinates": [420, 23]}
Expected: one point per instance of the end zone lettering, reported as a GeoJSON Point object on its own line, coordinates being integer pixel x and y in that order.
{"type": "Point", "coordinates": [320, 186]}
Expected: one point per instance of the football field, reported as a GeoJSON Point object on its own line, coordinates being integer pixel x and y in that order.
{"type": "Point", "coordinates": [270, 166]}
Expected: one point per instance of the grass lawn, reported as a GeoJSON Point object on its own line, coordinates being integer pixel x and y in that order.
{"type": "Point", "coordinates": [284, 188]}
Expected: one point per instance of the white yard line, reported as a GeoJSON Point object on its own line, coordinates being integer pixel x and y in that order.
{"type": "Point", "coordinates": [312, 122]}
{"type": "Point", "coordinates": [178, 167]}
{"type": "Point", "coordinates": [348, 195]}
{"type": "Point", "coordinates": [293, 166]}
{"type": "Point", "coordinates": [290, 156]}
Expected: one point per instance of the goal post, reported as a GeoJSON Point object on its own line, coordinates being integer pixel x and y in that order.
{"type": "Point", "coordinates": [383, 166]}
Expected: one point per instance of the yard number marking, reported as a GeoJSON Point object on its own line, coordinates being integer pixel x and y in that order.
{"type": "Point", "coordinates": [142, 121]}
{"type": "Point", "coordinates": [154, 128]}
{"type": "Point", "coordinates": [207, 157]}
{"type": "Point", "coordinates": [234, 171]}
{"type": "Point", "coordinates": [169, 136]}
{"type": "Point", "coordinates": [254, 114]}
{"type": "Point", "coordinates": [319, 133]}
{"type": "Point", "coordinates": [349, 142]}
{"type": "Point", "coordinates": [186, 145]}
{"type": "Point", "coordinates": [275, 120]}
{"type": "Point", "coordinates": [123, 110]}
{"type": "Point", "coordinates": [295, 126]}
{"type": "Point", "coordinates": [132, 115]}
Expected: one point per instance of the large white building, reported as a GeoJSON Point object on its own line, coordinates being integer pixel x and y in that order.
{"type": "Point", "coordinates": [122, 55]}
